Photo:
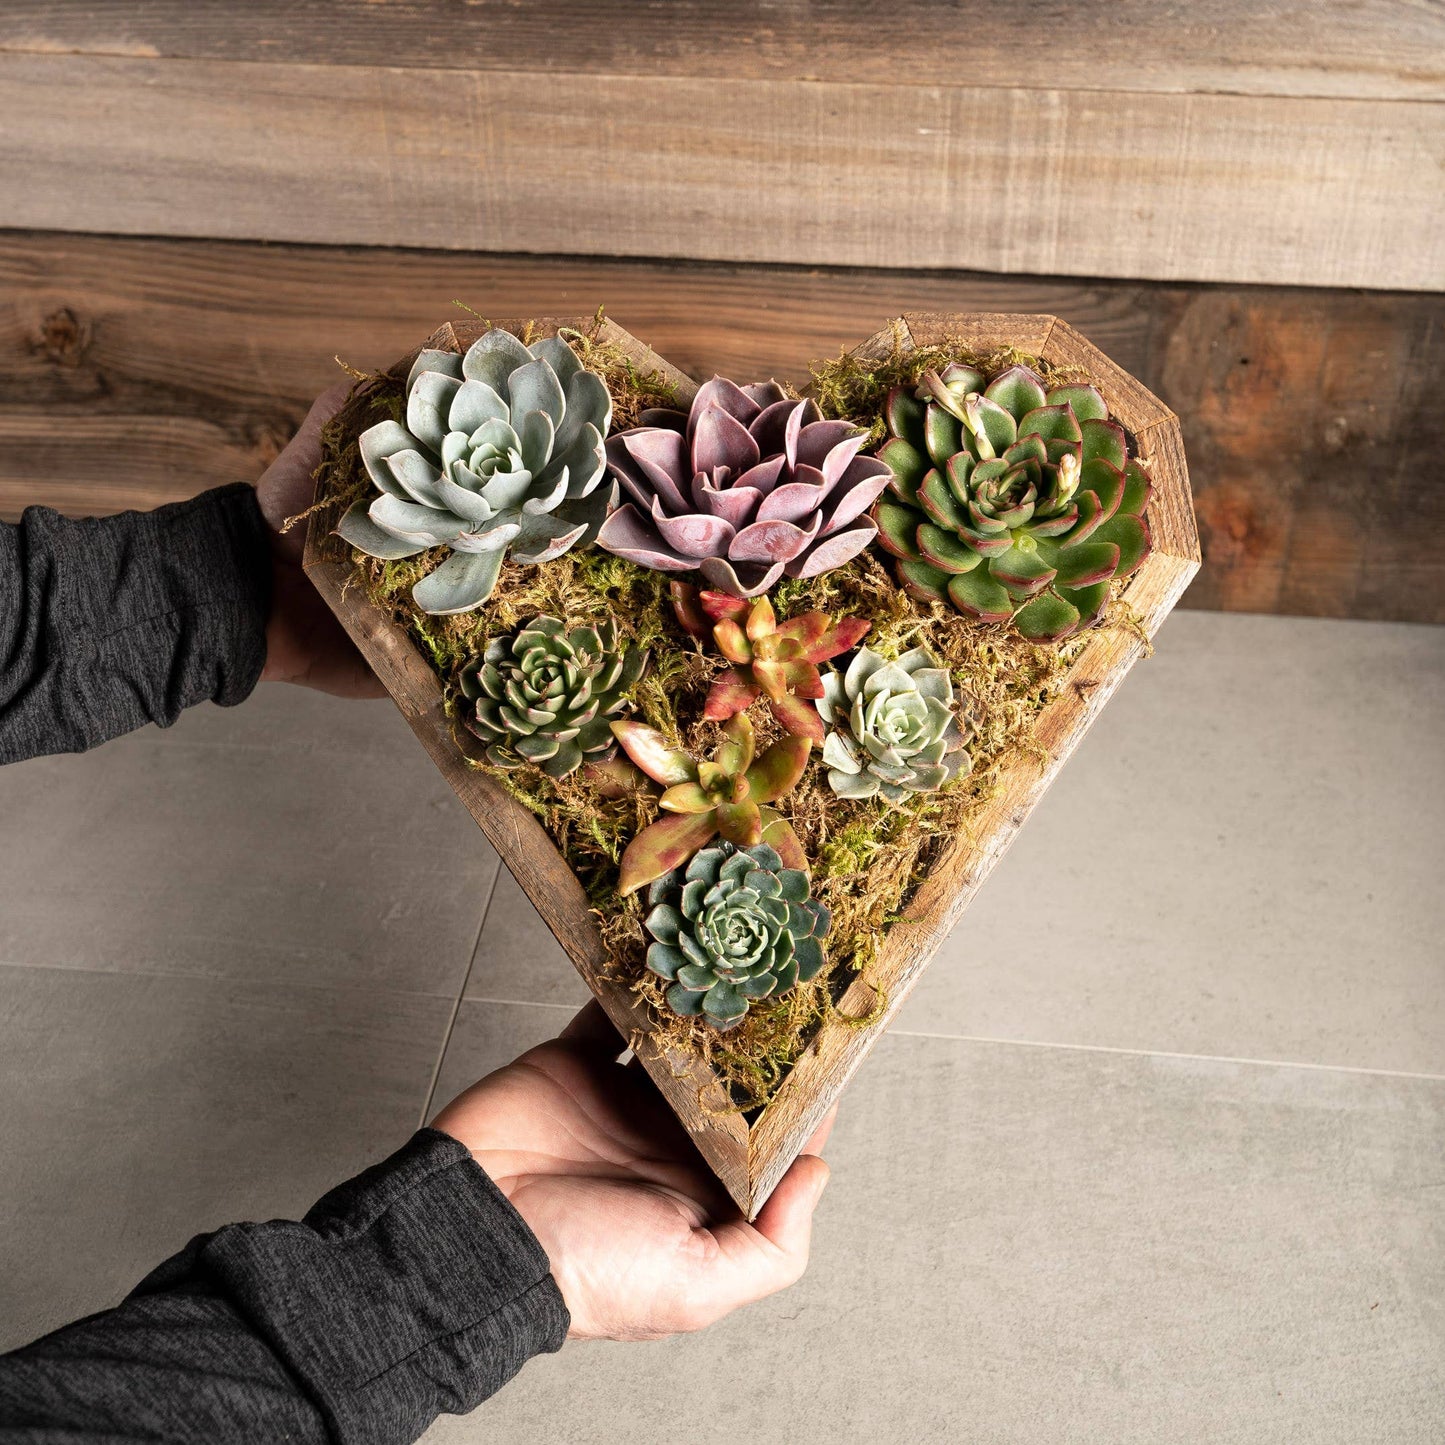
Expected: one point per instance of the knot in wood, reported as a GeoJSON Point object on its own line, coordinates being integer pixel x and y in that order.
{"type": "Point", "coordinates": [63, 337]}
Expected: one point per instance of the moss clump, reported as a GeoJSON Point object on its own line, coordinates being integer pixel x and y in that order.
{"type": "Point", "coordinates": [869, 856]}
{"type": "Point", "coordinates": [856, 388]}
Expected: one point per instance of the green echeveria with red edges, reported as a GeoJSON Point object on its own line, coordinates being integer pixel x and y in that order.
{"type": "Point", "coordinates": [1011, 500]}
{"type": "Point", "coordinates": [772, 659]}
{"type": "Point", "coordinates": [725, 796]}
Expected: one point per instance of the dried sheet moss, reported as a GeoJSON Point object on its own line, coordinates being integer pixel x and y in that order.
{"type": "Point", "coordinates": [869, 857]}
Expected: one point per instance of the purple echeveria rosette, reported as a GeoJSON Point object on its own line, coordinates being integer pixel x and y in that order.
{"type": "Point", "coordinates": [747, 486]}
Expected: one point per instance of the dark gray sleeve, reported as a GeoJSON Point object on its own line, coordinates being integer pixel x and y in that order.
{"type": "Point", "coordinates": [413, 1290]}
{"type": "Point", "coordinates": [109, 623]}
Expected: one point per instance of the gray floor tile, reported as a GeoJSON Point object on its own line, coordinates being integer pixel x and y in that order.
{"type": "Point", "coordinates": [1242, 859]}
{"type": "Point", "coordinates": [139, 1110]}
{"type": "Point", "coordinates": [487, 1035]}
{"type": "Point", "coordinates": [294, 836]}
{"type": "Point", "coordinates": [1040, 1246]}
{"type": "Point", "coordinates": [517, 955]}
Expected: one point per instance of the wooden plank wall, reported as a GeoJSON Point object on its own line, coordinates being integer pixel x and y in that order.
{"type": "Point", "coordinates": [137, 371]}
{"type": "Point", "coordinates": [1235, 140]}
{"type": "Point", "coordinates": [1106, 163]}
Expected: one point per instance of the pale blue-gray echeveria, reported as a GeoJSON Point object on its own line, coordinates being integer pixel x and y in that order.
{"type": "Point", "coordinates": [549, 695]}
{"type": "Point", "coordinates": [894, 727]}
{"type": "Point", "coordinates": [733, 927]}
{"type": "Point", "coordinates": [501, 454]}
{"type": "Point", "coordinates": [747, 486]}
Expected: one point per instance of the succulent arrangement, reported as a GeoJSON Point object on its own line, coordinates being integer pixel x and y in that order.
{"type": "Point", "coordinates": [1000, 501]}
{"type": "Point", "coordinates": [548, 695]}
{"type": "Point", "coordinates": [502, 453]}
{"type": "Point", "coordinates": [750, 485]}
{"type": "Point", "coordinates": [733, 927]}
{"type": "Point", "coordinates": [1010, 500]}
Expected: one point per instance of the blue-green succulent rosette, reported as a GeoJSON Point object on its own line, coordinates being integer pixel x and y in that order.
{"type": "Point", "coordinates": [733, 927]}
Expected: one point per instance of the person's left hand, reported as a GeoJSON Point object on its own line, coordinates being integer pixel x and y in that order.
{"type": "Point", "coordinates": [304, 642]}
{"type": "Point", "coordinates": [642, 1239]}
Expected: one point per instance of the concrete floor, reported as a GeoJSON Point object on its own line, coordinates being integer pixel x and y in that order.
{"type": "Point", "coordinates": [1155, 1152]}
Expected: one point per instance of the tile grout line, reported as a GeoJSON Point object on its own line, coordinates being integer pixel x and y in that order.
{"type": "Point", "coordinates": [436, 1072]}
{"type": "Point", "coordinates": [1165, 1054]}
{"type": "Point", "coordinates": [525, 1003]}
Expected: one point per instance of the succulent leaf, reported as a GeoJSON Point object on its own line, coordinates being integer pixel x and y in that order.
{"type": "Point", "coordinates": [651, 752]}
{"type": "Point", "coordinates": [663, 846]}
{"type": "Point", "coordinates": [778, 660]}
{"type": "Point", "coordinates": [494, 444]}
{"type": "Point", "coordinates": [722, 795]}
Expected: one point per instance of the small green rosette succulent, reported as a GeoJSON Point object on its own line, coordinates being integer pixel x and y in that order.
{"type": "Point", "coordinates": [1010, 500]}
{"type": "Point", "coordinates": [549, 695]}
{"type": "Point", "coordinates": [501, 454]}
{"type": "Point", "coordinates": [735, 926]}
{"type": "Point", "coordinates": [894, 728]}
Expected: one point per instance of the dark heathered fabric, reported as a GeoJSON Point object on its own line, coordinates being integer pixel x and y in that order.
{"type": "Point", "coordinates": [412, 1290]}
{"type": "Point", "coordinates": [113, 622]}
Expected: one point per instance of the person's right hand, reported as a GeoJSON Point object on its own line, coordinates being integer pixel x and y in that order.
{"type": "Point", "coordinates": [642, 1239]}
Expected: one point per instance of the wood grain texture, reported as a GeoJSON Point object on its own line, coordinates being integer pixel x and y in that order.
{"type": "Point", "coordinates": [1237, 188]}
{"type": "Point", "coordinates": [1295, 404]}
{"type": "Point", "coordinates": [1361, 49]}
{"type": "Point", "coordinates": [751, 1159]}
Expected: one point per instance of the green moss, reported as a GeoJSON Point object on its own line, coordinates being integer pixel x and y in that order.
{"type": "Point", "coordinates": [855, 388]}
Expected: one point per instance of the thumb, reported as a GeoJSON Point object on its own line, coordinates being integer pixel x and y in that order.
{"type": "Point", "coordinates": [786, 1220]}
{"type": "Point", "coordinates": [758, 1259]}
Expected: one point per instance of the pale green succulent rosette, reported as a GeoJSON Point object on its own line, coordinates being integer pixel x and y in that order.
{"type": "Point", "coordinates": [502, 454]}
{"type": "Point", "coordinates": [734, 927]}
{"type": "Point", "coordinates": [549, 696]}
{"type": "Point", "coordinates": [894, 727]}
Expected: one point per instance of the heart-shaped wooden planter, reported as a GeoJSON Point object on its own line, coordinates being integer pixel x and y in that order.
{"type": "Point", "coordinates": [750, 1157]}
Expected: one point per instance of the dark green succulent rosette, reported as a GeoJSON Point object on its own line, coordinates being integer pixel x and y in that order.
{"type": "Point", "coordinates": [733, 927]}
{"type": "Point", "coordinates": [549, 695]}
{"type": "Point", "coordinates": [1011, 500]}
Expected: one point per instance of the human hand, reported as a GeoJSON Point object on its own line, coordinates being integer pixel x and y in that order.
{"type": "Point", "coordinates": [304, 642]}
{"type": "Point", "coordinates": [642, 1238]}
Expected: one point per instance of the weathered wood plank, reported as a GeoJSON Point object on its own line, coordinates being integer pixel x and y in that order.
{"type": "Point", "coordinates": [1312, 439]}
{"type": "Point", "coordinates": [1363, 49]}
{"type": "Point", "coordinates": [1072, 182]}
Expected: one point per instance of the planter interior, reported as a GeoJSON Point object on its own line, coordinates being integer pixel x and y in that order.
{"type": "Point", "coordinates": [750, 1157]}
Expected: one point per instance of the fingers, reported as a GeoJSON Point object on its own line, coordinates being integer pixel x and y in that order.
{"type": "Point", "coordinates": [285, 488]}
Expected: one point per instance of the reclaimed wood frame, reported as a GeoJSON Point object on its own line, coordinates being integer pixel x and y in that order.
{"type": "Point", "coordinates": [751, 1158]}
